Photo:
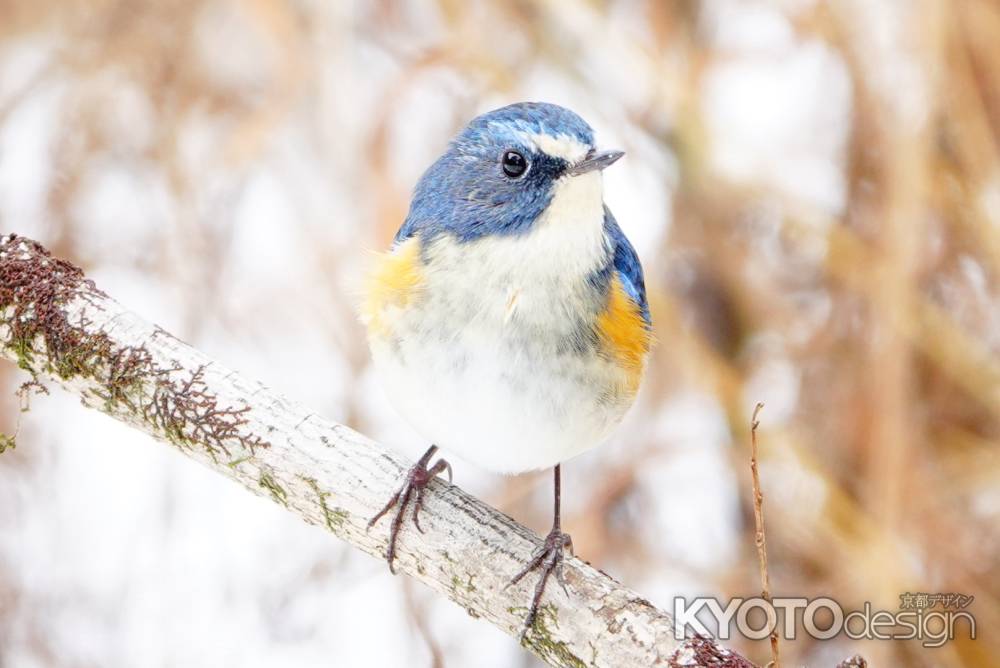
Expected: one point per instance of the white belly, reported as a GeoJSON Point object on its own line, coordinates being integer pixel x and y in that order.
{"type": "Point", "coordinates": [498, 399]}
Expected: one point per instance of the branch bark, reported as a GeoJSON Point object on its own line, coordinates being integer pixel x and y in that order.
{"type": "Point", "coordinates": [56, 325]}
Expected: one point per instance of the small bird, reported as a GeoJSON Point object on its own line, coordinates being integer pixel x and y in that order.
{"type": "Point", "coordinates": [509, 323]}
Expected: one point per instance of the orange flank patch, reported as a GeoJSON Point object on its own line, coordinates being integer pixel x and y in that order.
{"type": "Point", "coordinates": [624, 334]}
{"type": "Point", "coordinates": [393, 282]}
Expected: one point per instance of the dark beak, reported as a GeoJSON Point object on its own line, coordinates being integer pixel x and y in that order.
{"type": "Point", "coordinates": [595, 160]}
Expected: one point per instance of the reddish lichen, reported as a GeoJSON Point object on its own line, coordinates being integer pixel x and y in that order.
{"type": "Point", "coordinates": [35, 286]}
{"type": "Point", "coordinates": [35, 289]}
{"type": "Point", "coordinates": [706, 652]}
{"type": "Point", "coordinates": [189, 413]}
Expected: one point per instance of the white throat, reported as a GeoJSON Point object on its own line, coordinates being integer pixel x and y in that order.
{"type": "Point", "coordinates": [567, 241]}
{"type": "Point", "coordinates": [570, 232]}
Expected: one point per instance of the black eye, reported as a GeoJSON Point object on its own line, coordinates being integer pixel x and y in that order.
{"type": "Point", "coordinates": [514, 164]}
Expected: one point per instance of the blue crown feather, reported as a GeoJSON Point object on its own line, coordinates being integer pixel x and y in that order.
{"type": "Point", "coordinates": [525, 117]}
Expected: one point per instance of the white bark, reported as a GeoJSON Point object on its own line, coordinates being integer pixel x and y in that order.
{"type": "Point", "coordinates": [324, 472]}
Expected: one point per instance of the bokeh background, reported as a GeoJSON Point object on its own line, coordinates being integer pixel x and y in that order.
{"type": "Point", "coordinates": [814, 189]}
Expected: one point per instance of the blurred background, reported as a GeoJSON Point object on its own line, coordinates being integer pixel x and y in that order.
{"type": "Point", "coordinates": [813, 187]}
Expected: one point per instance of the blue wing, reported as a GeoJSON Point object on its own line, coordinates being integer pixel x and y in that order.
{"type": "Point", "coordinates": [626, 264]}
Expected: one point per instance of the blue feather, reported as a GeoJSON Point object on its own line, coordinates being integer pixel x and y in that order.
{"type": "Point", "coordinates": [626, 264]}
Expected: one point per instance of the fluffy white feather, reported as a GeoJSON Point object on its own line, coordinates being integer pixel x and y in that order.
{"type": "Point", "coordinates": [478, 364]}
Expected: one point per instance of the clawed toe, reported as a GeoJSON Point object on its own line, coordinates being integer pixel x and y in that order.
{"type": "Point", "coordinates": [412, 490]}
{"type": "Point", "coordinates": [548, 559]}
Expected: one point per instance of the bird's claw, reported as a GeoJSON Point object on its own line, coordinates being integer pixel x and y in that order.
{"type": "Point", "coordinates": [412, 490]}
{"type": "Point", "coordinates": [548, 559]}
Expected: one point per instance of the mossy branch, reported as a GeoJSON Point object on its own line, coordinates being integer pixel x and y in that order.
{"type": "Point", "coordinates": [56, 325]}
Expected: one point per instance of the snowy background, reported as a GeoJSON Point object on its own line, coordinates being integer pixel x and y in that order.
{"type": "Point", "coordinates": [814, 189]}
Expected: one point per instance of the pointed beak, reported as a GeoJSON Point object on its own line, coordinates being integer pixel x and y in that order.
{"type": "Point", "coordinates": [595, 160]}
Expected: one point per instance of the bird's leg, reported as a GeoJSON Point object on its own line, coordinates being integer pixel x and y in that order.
{"type": "Point", "coordinates": [548, 559]}
{"type": "Point", "coordinates": [412, 490]}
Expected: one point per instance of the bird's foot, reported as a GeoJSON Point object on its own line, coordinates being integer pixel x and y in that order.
{"type": "Point", "coordinates": [548, 559]}
{"type": "Point", "coordinates": [412, 491]}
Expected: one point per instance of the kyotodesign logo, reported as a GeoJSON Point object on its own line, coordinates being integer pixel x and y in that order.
{"type": "Point", "coordinates": [934, 619]}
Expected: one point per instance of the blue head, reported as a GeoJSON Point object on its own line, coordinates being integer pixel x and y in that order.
{"type": "Point", "coordinates": [499, 175]}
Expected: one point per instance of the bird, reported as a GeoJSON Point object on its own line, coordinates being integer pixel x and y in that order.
{"type": "Point", "coordinates": [508, 322]}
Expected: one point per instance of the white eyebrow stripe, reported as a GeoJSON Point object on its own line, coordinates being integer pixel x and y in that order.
{"type": "Point", "coordinates": [562, 146]}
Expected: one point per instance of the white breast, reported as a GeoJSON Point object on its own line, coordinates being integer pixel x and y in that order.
{"type": "Point", "coordinates": [493, 361]}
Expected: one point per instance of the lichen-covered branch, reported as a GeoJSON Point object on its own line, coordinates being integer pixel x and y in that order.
{"type": "Point", "coordinates": [57, 326]}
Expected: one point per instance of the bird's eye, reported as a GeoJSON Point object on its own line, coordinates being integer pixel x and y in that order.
{"type": "Point", "coordinates": [514, 164]}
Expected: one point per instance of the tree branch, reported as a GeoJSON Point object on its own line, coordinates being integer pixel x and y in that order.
{"type": "Point", "coordinates": [56, 325]}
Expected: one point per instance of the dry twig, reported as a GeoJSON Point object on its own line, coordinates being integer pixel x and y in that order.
{"type": "Point", "coordinates": [759, 538]}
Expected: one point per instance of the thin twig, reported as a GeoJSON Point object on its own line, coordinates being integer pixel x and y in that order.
{"type": "Point", "coordinates": [759, 539]}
